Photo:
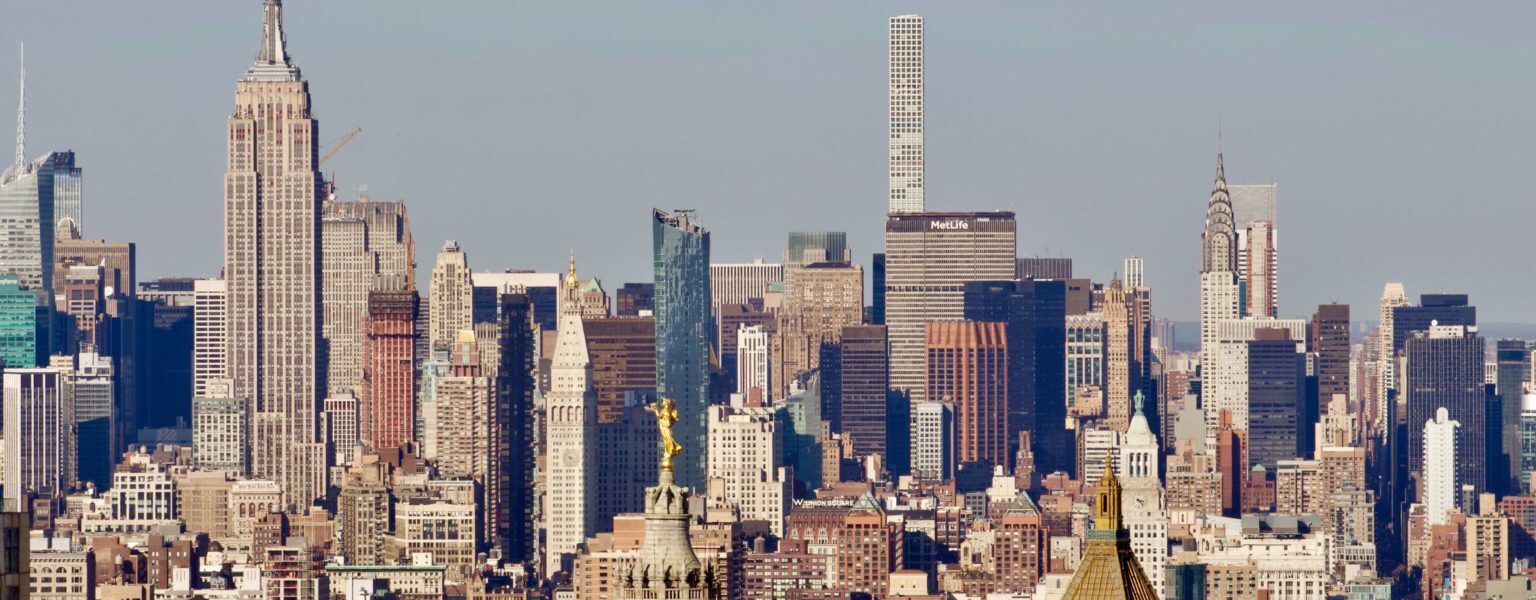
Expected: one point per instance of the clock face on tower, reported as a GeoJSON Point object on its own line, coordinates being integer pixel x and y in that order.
{"type": "Point", "coordinates": [568, 458]}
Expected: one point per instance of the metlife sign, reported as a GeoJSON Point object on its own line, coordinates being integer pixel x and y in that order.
{"type": "Point", "coordinates": [950, 225]}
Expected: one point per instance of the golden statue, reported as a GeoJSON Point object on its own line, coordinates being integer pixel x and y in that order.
{"type": "Point", "coordinates": [666, 416]}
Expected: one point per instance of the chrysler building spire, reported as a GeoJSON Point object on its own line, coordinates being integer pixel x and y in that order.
{"type": "Point", "coordinates": [1219, 252]}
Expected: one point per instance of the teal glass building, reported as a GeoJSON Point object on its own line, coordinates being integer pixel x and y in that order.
{"type": "Point", "coordinates": [680, 249]}
{"type": "Point", "coordinates": [18, 324]}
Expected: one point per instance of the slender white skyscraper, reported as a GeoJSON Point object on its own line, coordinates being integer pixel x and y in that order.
{"type": "Point", "coordinates": [906, 48]}
{"type": "Point", "coordinates": [1439, 466]}
{"type": "Point", "coordinates": [752, 360]}
{"type": "Point", "coordinates": [210, 335]}
{"type": "Point", "coordinates": [571, 494]}
{"type": "Point", "coordinates": [1135, 273]}
{"type": "Point", "coordinates": [1220, 296]}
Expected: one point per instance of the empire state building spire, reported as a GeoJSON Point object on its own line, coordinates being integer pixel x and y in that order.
{"type": "Point", "coordinates": [272, 59]}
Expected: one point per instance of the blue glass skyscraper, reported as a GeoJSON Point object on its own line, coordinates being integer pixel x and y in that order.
{"type": "Point", "coordinates": [680, 250]}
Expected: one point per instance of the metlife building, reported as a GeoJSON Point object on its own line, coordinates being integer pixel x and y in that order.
{"type": "Point", "coordinates": [930, 256]}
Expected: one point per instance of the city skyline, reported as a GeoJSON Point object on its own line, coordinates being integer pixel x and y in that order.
{"type": "Point", "coordinates": [1347, 168]}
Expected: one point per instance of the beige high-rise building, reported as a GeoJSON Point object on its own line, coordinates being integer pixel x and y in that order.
{"type": "Point", "coordinates": [461, 413]}
{"type": "Point", "coordinates": [210, 334]}
{"type": "Point", "coordinates": [365, 246]}
{"type": "Point", "coordinates": [746, 449]}
{"type": "Point", "coordinates": [272, 266]}
{"type": "Point", "coordinates": [906, 114]}
{"type": "Point", "coordinates": [1220, 295]}
{"type": "Point", "coordinates": [570, 498]}
{"type": "Point", "coordinates": [1122, 373]}
{"type": "Point", "coordinates": [451, 303]}
{"type": "Point", "coordinates": [820, 300]}
{"type": "Point", "coordinates": [1392, 296]}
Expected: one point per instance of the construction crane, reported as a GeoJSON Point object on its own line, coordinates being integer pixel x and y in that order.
{"type": "Point", "coordinates": [336, 147]}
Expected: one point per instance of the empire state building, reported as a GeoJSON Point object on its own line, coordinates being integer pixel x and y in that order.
{"type": "Point", "coordinates": [272, 265]}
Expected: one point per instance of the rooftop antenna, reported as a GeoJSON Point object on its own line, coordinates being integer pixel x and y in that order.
{"type": "Point", "coordinates": [21, 114]}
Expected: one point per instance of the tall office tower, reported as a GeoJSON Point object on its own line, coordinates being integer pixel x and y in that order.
{"type": "Point", "coordinates": [1085, 354]}
{"type": "Point", "coordinates": [680, 249]}
{"type": "Point", "coordinates": [968, 367]}
{"type": "Point", "coordinates": [752, 361]}
{"type": "Point", "coordinates": [1122, 373]}
{"type": "Point", "coordinates": [341, 427]}
{"type": "Point", "coordinates": [1043, 267]}
{"type": "Point", "coordinates": [1220, 295]}
{"type": "Point", "coordinates": [906, 113]}
{"type": "Point", "coordinates": [509, 486]}
{"type": "Point", "coordinates": [1328, 340]}
{"type": "Point", "coordinates": [210, 335]}
{"type": "Point", "coordinates": [929, 258]}
{"type": "Point", "coordinates": [1433, 309]}
{"type": "Point", "coordinates": [635, 298]}
{"type": "Point", "coordinates": [272, 267]}
{"type": "Point", "coordinates": [97, 441]}
{"type": "Point", "coordinates": [219, 428]}
{"type": "Point", "coordinates": [1443, 368]}
{"type": "Point", "coordinates": [746, 458]}
{"type": "Point", "coordinates": [623, 354]}
{"type": "Point", "coordinates": [26, 209]}
{"type": "Point", "coordinates": [1224, 371]}
{"type": "Point", "coordinates": [864, 387]}
{"type": "Point", "coordinates": [1512, 359]}
{"type": "Point", "coordinates": [150, 341]}
{"type": "Point", "coordinates": [820, 300]}
{"type": "Point", "coordinates": [933, 440]}
{"type": "Point", "coordinates": [452, 296]}
{"type": "Point", "coordinates": [1276, 387]}
{"type": "Point", "coordinates": [741, 283]}
{"type": "Point", "coordinates": [730, 320]}
{"type": "Point", "coordinates": [1034, 312]}
{"type": "Point", "coordinates": [39, 422]}
{"type": "Point", "coordinates": [387, 411]}
{"type": "Point", "coordinates": [570, 497]}
{"type": "Point", "coordinates": [1440, 465]}
{"type": "Point", "coordinates": [1392, 297]}
{"type": "Point", "coordinates": [1258, 280]}
{"type": "Point", "coordinates": [807, 247]}
{"type": "Point", "coordinates": [1145, 510]}
{"type": "Point", "coordinates": [1135, 273]}
{"type": "Point", "coordinates": [365, 246]}
{"type": "Point", "coordinates": [1253, 204]}
{"type": "Point", "coordinates": [18, 324]}
{"type": "Point", "coordinates": [79, 299]}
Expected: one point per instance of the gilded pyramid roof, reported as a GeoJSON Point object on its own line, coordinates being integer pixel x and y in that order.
{"type": "Point", "coordinates": [1108, 569]}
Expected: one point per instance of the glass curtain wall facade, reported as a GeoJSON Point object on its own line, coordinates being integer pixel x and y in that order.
{"type": "Point", "coordinates": [680, 249]}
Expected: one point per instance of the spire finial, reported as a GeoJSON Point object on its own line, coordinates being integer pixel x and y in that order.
{"type": "Point", "coordinates": [21, 114]}
{"type": "Point", "coordinates": [570, 276]}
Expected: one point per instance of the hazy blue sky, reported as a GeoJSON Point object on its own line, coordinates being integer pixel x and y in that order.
{"type": "Point", "coordinates": [1402, 136]}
